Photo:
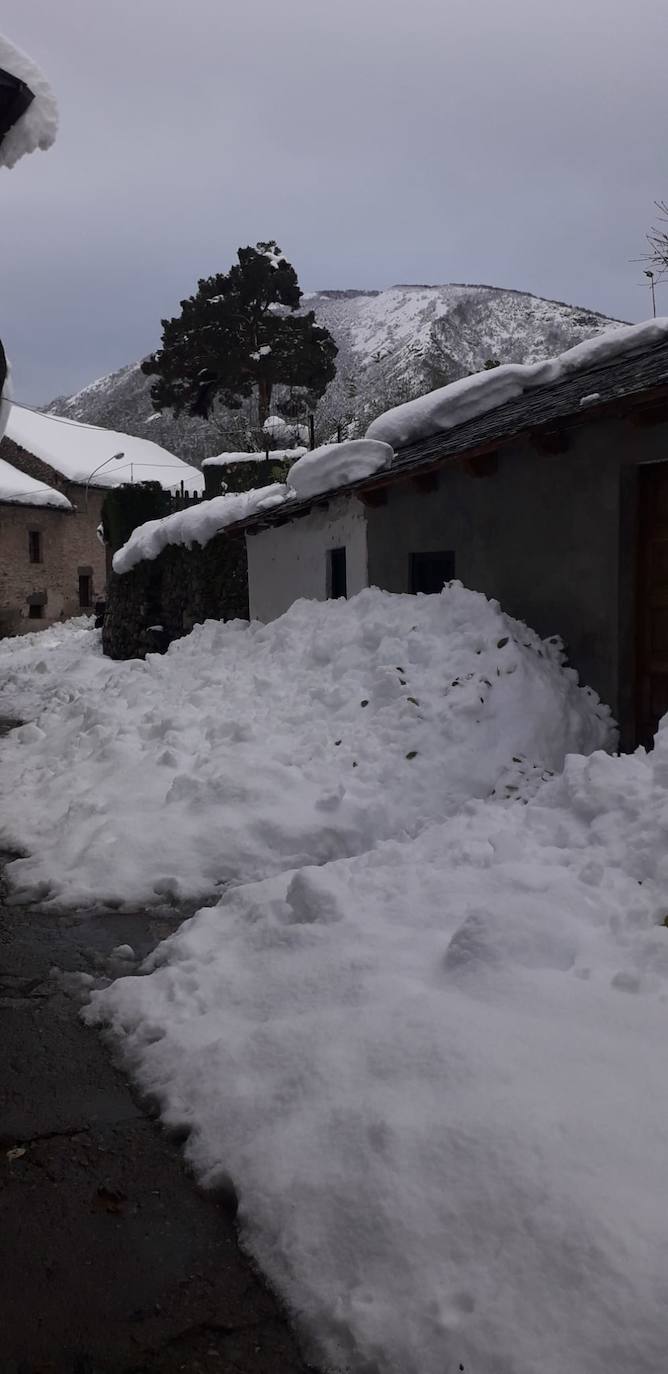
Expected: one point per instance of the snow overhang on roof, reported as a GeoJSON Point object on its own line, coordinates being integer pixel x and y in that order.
{"type": "Point", "coordinates": [28, 110]}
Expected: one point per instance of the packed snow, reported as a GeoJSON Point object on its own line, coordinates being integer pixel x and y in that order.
{"type": "Point", "coordinates": [321, 470]}
{"type": "Point", "coordinates": [247, 750]}
{"type": "Point", "coordinates": [197, 524]}
{"type": "Point", "coordinates": [278, 455]}
{"type": "Point", "coordinates": [76, 451]}
{"type": "Point", "coordinates": [420, 1034]}
{"type": "Point", "coordinates": [434, 1076]}
{"type": "Point", "coordinates": [469, 397]}
{"type": "Point", "coordinates": [334, 465]}
{"type": "Point", "coordinates": [19, 489]}
{"type": "Point", "coordinates": [38, 125]}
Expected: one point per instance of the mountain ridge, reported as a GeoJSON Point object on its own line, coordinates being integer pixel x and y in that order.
{"type": "Point", "coordinates": [393, 343]}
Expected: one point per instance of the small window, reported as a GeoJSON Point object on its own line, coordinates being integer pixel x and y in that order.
{"type": "Point", "coordinates": [430, 571]}
{"type": "Point", "coordinates": [337, 579]}
{"type": "Point", "coordinates": [85, 590]}
{"type": "Point", "coordinates": [34, 546]}
{"type": "Point", "coordinates": [35, 612]}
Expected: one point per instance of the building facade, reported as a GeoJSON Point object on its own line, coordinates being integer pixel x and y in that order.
{"type": "Point", "coordinates": [558, 510]}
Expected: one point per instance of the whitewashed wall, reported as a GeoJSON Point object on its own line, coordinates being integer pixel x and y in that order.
{"type": "Point", "coordinates": [289, 561]}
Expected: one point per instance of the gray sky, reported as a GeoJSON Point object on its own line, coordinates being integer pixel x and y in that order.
{"type": "Point", "coordinates": [513, 142]}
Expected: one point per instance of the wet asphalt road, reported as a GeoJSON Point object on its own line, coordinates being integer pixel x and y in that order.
{"type": "Point", "coordinates": [110, 1258]}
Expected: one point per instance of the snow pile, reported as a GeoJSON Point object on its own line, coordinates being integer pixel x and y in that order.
{"type": "Point", "coordinates": [37, 126]}
{"type": "Point", "coordinates": [197, 524]}
{"type": "Point", "coordinates": [334, 465]}
{"type": "Point", "coordinates": [76, 450]}
{"type": "Point", "coordinates": [321, 470]}
{"type": "Point", "coordinates": [278, 428]}
{"type": "Point", "coordinates": [434, 1075]}
{"type": "Point", "coordinates": [469, 397]}
{"type": "Point", "coordinates": [16, 487]}
{"type": "Point", "coordinates": [278, 455]}
{"type": "Point", "coordinates": [245, 751]}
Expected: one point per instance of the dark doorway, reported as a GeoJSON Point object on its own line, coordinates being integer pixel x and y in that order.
{"type": "Point", "coordinates": [430, 571]}
{"type": "Point", "coordinates": [652, 605]}
{"type": "Point", "coordinates": [34, 546]}
{"type": "Point", "coordinates": [85, 590]}
{"type": "Point", "coordinates": [337, 577]}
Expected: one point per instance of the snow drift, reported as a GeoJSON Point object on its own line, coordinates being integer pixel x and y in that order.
{"type": "Point", "coordinates": [435, 1075]}
{"type": "Point", "coordinates": [247, 750]}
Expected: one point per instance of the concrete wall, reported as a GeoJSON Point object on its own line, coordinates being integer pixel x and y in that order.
{"type": "Point", "coordinates": [552, 537]}
{"type": "Point", "coordinates": [289, 561]}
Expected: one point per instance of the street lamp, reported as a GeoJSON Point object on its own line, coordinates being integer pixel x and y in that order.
{"type": "Point", "coordinates": [651, 284]}
{"type": "Point", "coordinates": [114, 458]}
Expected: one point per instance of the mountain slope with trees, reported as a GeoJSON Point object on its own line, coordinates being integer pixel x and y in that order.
{"type": "Point", "coordinates": [392, 345]}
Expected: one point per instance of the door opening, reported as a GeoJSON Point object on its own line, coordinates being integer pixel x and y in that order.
{"type": "Point", "coordinates": [652, 601]}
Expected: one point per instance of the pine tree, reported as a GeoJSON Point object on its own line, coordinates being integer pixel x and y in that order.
{"type": "Point", "coordinates": [238, 336]}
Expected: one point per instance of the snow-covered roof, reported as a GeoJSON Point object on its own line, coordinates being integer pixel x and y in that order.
{"type": "Point", "coordinates": [466, 399]}
{"type": "Point", "coordinates": [279, 455]}
{"type": "Point", "coordinates": [17, 489]}
{"type": "Point", "coordinates": [36, 127]}
{"type": "Point", "coordinates": [75, 450]}
{"type": "Point", "coordinates": [321, 470]}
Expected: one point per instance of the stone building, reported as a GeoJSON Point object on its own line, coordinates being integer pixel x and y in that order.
{"type": "Point", "coordinates": [36, 523]}
{"type": "Point", "coordinates": [52, 561]}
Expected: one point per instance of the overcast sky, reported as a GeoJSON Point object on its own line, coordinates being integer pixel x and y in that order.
{"type": "Point", "coordinates": [515, 142]}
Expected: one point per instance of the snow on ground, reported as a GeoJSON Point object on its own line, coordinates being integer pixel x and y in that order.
{"type": "Point", "coordinates": [19, 489]}
{"type": "Point", "coordinates": [245, 751]}
{"type": "Point", "coordinates": [469, 397]}
{"type": "Point", "coordinates": [76, 450]}
{"type": "Point", "coordinates": [37, 126]}
{"type": "Point", "coordinates": [435, 1075]}
{"type": "Point", "coordinates": [323, 469]}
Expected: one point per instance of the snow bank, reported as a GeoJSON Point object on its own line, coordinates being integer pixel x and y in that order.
{"type": "Point", "coordinates": [197, 524]}
{"type": "Point", "coordinates": [334, 465]}
{"type": "Point", "coordinates": [222, 460]}
{"type": "Point", "coordinates": [37, 127]}
{"type": "Point", "coordinates": [435, 1076]}
{"type": "Point", "coordinates": [247, 750]}
{"type": "Point", "coordinates": [321, 470]}
{"type": "Point", "coordinates": [19, 489]}
{"type": "Point", "coordinates": [75, 450]}
{"type": "Point", "coordinates": [484, 391]}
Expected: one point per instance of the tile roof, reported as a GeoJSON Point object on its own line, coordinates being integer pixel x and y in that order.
{"type": "Point", "coordinates": [545, 407]}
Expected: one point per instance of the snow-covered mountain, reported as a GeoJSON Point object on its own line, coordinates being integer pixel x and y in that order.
{"type": "Point", "coordinates": [393, 345]}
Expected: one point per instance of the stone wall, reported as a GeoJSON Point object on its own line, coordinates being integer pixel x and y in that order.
{"type": "Point", "coordinates": [45, 587]}
{"type": "Point", "coordinates": [80, 553]}
{"type": "Point", "coordinates": [177, 590]}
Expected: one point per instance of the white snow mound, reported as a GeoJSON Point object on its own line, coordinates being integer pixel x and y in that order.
{"type": "Point", "coordinates": [434, 1073]}
{"type": "Point", "coordinates": [247, 750]}
{"type": "Point", "coordinates": [334, 465]}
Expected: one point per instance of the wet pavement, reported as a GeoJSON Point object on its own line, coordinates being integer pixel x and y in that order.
{"type": "Point", "coordinates": [110, 1258]}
